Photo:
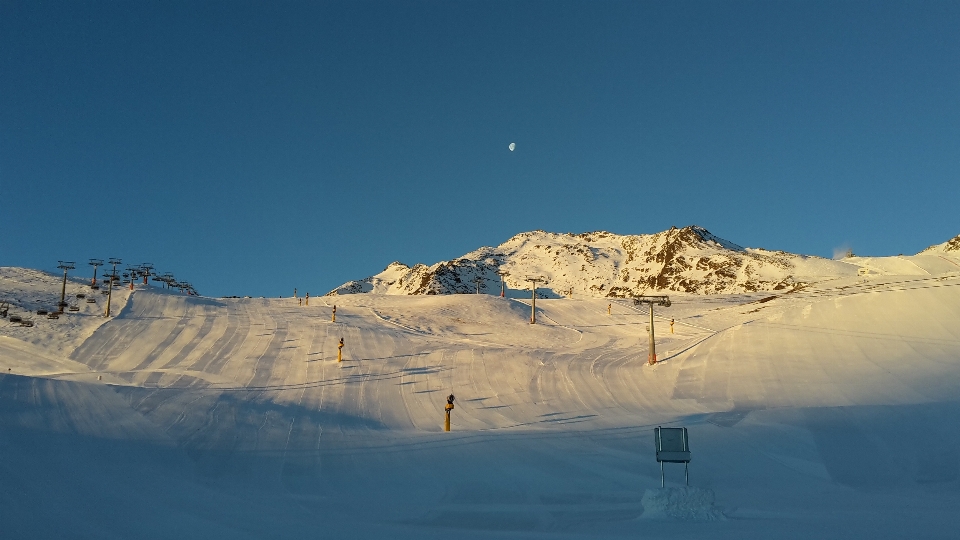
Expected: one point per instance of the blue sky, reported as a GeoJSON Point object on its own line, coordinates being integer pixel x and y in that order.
{"type": "Point", "coordinates": [255, 147]}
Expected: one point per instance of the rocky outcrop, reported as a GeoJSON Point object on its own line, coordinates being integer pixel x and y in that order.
{"type": "Point", "coordinates": [950, 246]}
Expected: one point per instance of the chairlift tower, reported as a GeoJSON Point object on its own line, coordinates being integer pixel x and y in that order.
{"type": "Point", "coordinates": [478, 280]}
{"type": "Point", "coordinates": [533, 289]}
{"type": "Point", "coordinates": [113, 277]}
{"type": "Point", "coordinates": [64, 265]}
{"type": "Point", "coordinates": [650, 301]}
{"type": "Point", "coordinates": [95, 263]}
{"type": "Point", "coordinates": [502, 275]}
{"type": "Point", "coordinates": [145, 269]}
{"type": "Point", "coordinates": [131, 275]}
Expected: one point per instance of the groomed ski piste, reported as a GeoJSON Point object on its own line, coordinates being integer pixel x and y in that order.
{"type": "Point", "coordinates": [826, 412]}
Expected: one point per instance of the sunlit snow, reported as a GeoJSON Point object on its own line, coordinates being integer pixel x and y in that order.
{"type": "Point", "coordinates": [822, 411]}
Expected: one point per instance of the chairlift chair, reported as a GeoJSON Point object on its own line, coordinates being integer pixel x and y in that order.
{"type": "Point", "coordinates": [74, 308]}
{"type": "Point", "coordinates": [53, 315]}
{"type": "Point", "coordinates": [16, 319]}
{"type": "Point", "coordinates": [41, 312]}
{"type": "Point", "coordinates": [81, 295]}
{"type": "Point", "coordinates": [91, 300]}
{"type": "Point", "coordinates": [27, 323]}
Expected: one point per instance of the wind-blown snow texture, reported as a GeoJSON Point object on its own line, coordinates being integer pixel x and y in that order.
{"type": "Point", "coordinates": [603, 264]}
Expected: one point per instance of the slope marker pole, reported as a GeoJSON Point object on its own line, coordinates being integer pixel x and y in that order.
{"type": "Point", "coordinates": [652, 359]}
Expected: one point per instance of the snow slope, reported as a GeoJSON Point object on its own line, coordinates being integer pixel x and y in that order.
{"type": "Point", "coordinates": [823, 412]}
{"type": "Point", "coordinates": [27, 291]}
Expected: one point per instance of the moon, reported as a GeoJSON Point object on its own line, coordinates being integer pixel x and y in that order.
{"type": "Point", "coordinates": [512, 146]}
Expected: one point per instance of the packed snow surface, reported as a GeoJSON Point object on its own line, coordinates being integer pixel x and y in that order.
{"type": "Point", "coordinates": [825, 411]}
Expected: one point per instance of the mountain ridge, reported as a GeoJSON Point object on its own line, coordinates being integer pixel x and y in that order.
{"type": "Point", "coordinates": [604, 264]}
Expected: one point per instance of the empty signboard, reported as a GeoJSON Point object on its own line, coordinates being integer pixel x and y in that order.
{"type": "Point", "coordinates": [673, 446]}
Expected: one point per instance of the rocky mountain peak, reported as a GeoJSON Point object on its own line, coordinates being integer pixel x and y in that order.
{"type": "Point", "coordinates": [600, 263]}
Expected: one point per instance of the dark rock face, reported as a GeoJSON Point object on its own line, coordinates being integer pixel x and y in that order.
{"type": "Point", "coordinates": [672, 261]}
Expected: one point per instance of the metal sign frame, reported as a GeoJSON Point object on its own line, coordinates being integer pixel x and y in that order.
{"type": "Point", "coordinates": [673, 446]}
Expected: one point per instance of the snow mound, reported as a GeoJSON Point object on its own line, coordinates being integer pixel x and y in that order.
{"type": "Point", "coordinates": [681, 504]}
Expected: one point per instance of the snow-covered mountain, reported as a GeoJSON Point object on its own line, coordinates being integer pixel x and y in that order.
{"type": "Point", "coordinates": [603, 264]}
